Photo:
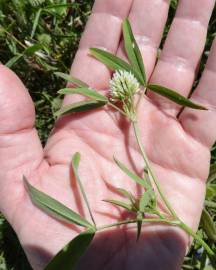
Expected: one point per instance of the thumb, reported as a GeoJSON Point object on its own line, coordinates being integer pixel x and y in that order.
{"type": "Point", "coordinates": [21, 152]}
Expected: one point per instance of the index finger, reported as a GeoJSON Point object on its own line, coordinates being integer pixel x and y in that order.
{"type": "Point", "coordinates": [103, 30]}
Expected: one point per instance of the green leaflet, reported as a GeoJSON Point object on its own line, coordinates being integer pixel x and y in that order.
{"type": "Point", "coordinates": [174, 96]}
{"type": "Point", "coordinates": [133, 176]}
{"type": "Point", "coordinates": [119, 203]}
{"type": "Point", "coordinates": [75, 165]}
{"type": "Point", "coordinates": [69, 256]}
{"type": "Point", "coordinates": [127, 195]}
{"type": "Point", "coordinates": [85, 92]}
{"type": "Point", "coordinates": [150, 189]}
{"type": "Point", "coordinates": [133, 52]}
{"type": "Point", "coordinates": [81, 106]}
{"type": "Point", "coordinates": [71, 79]}
{"type": "Point", "coordinates": [146, 203]}
{"type": "Point", "coordinates": [208, 225]}
{"type": "Point", "coordinates": [113, 62]}
{"type": "Point", "coordinates": [110, 60]}
{"type": "Point", "coordinates": [53, 207]}
{"type": "Point", "coordinates": [145, 200]}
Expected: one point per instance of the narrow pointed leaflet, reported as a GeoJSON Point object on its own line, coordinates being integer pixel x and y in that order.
{"type": "Point", "coordinates": [54, 208]}
{"type": "Point", "coordinates": [81, 106]}
{"type": "Point", "coordinates": [132, 175]}
{"type": "Point", "coordinates": [71, 79]}
{"type": "Point", "coordinates": [75, 165]}
{"type": "Point", "coordinates": [87, 92]}
{"type": "Point", "coordinates": [175, 96]}
{"type": "Point", "coordinates": [120, 203]}
{"type": "Point", "coordinates": [133, 52]}
{"type": "Point", "coordinates": [113, 62]}
{"type": "Point", "coordinates": [69, 256]}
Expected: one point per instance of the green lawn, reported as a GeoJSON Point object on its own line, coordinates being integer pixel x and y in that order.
{"type": "Point", "coordinates": [37, 38]}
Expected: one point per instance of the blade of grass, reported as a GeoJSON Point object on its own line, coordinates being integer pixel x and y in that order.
{"type": "Point", "coordinates": [13, 60]}
{"type": "Point", "coordinates": [212, 173]}
{"type": "Point", "coordinates": [208, 225]}
{"type": "Point", "coordinates": [36, 21]}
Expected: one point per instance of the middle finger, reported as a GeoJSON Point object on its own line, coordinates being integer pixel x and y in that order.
{"type": "Point", "coordinates": [182, 50]}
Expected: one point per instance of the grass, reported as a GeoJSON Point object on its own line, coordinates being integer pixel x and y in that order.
{"type": "Point", "coordinates": [39, 37]}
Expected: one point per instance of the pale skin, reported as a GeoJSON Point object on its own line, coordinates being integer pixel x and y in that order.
{"type": "Point", "coordinates": [177, 146]}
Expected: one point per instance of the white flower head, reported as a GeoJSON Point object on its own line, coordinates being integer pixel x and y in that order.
{"type": "Point", "coordinates": [123, 85]}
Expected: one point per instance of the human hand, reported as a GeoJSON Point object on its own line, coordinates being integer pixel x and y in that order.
{"type": "Point", "coordinates": [178, 147]}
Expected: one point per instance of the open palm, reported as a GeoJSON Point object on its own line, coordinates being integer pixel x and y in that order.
{"type": "Point", "coordinates": [178, 147]}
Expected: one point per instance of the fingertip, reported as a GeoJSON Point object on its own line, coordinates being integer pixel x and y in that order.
{"type": "Point", "coordinates": [17, 108]}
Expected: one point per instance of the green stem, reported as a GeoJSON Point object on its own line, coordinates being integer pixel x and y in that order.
{"type": "Point", "coordinates": [141, 95]}
{"type": "Point", "coordinates": [117, 108]}
{"type": "Point", "coordinates": [124, 222]}
{"type": "Point", "coordinates": [145, 158]}
{"type": "Point", "coordinates": [176, 223]}
{"type": "Point", "coordinates": [187, 229]}
{"type": "Point", "coordinates": [129, 221]}
{"type": "Point", "coordinates": [159, 214]}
